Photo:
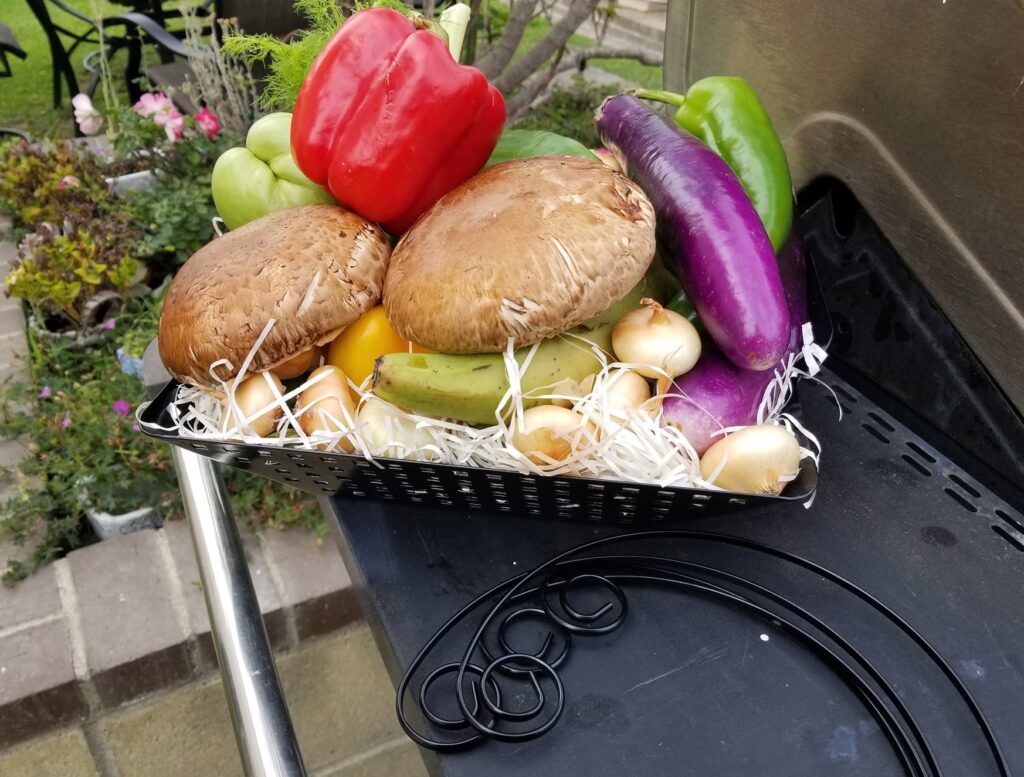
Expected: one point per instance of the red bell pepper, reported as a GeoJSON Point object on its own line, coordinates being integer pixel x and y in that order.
{"type": "Point", "coordinates": [388, 122]}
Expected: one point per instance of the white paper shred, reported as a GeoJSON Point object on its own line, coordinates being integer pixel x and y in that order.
{"type": "Point", "coordinates": [635, 450]}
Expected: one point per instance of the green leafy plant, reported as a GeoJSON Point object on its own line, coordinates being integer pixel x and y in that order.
{"type": "Point", "coordinates": [46, 183]}
{"type": "Point", "coordinates": [288, 62]}
{"type": "Point", "coordinates": [85, 452]}
{"type": "Point", "coordinates": [60, 271]}
{"type": "Point", "coordinates": [570, 112]}
{"type": "Point", "coordinates": [263, 504]}
{"type": "Point", "coordinates": [175, 219]}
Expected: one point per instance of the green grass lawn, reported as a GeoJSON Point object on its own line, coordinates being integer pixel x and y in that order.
{"type": "Point", "coordinates": [26, 98]}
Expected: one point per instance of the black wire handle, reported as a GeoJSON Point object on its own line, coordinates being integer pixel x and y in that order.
{"type": "Point", "coordinates": [482, 715]}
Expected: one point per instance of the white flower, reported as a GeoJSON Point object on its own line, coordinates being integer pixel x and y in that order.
{"type": "Point", "coordinates": [87, 117]}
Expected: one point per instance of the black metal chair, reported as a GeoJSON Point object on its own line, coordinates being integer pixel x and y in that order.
{"type": "Point", "coordinates": [9, 45]}
{"type": "Point", "coordinates": [129, 31]}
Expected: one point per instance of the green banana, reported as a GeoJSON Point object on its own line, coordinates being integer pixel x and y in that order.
{"type": "Point", "coordinates": [468, 387]}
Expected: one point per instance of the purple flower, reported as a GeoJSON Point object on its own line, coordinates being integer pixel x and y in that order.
{"type": "Point", "coordinates": [45, 393]}
{"type": "Point", "coordinates": [135, 428]}
{"type": "Point", "coordinates": [109, 323]}
{"type": "Point", "coordinates": [122, 408]}
{"type": "Point", "coordinates": [66, 422]}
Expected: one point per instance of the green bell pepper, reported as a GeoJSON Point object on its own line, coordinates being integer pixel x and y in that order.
{"type": "Point", "coordinates": [523, 144]}
{"type": "Point", "coordinates": [726, 113]}
{"type": "Point", "coordinates": [261, 177]}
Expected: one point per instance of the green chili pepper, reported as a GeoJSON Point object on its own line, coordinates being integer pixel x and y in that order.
{"type": "Point", "coordinates": [681, 304]}
{"type": "Point", "coordinates": [726, 113]}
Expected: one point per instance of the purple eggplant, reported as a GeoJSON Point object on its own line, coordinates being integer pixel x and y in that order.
{"type": "Point", "coordinates": [716, 393]}
{"type": "Point", "coordinates": [707, 223]}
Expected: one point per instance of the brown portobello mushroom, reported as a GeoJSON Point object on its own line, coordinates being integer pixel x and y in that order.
{"type": "Point", "coordinates": [314, 269]}
{"type": "Point", "coordinates": [524, 250]}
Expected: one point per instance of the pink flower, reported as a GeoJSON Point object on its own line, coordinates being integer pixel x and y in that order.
{"type": "Point", "coordinates": [208, 120]}
{"type": "Point", "coordinates": [45, 393]}
{"type": "Point", "coordinates": [121, 407]}
{"type": "Point", "coordinates": [66, 422]}
{"type": "Point", "coordinates": [174, 126]}
{"type": "Point", "coordinates": [151, 104]}
{"type": "Point", "coordinates": [135, 428]}
{"type": "Point", "coordinates": [68, 181]}
{"type": "Point", "coordinates": [110, 323]}
{"type": "Point", "coordinates": [87, 117]}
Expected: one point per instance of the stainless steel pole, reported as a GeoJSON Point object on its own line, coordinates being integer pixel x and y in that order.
{"type": "Point", "coordinates": [263, 727]}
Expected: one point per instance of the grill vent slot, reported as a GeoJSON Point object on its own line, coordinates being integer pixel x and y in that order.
{"type": "Point", "coordinates": [921, 452]}
{"type": "Point", "coordinates": [1014, 538]}
{"type": "Point", "coordinates": [961, 500]}
{"type": "Point", "coordinates": [917, 465]}
{"type": "Point", "coordinates": [875, 433]}
{"type": "Point", "coordinates": [1009, 519]}
{"type": "Point", "coordinates": [881, 421]}
{"type": "Point", "coordinates": [965, 485]}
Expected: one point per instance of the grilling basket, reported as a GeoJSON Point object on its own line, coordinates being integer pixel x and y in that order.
{"type": "Point", "coordinates": [526, 346]}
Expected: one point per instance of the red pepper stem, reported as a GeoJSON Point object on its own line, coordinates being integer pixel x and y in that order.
{"type": "Point", "coordinates": [659, 95]}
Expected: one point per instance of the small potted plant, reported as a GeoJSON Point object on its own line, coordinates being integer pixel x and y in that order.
{"type": "Point", "coordinates": [74, 278]}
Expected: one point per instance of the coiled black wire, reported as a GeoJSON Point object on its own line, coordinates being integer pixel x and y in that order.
{"type": "Point", "coordinates": [561, 573]}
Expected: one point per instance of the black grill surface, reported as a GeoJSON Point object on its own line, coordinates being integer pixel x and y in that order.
{"type": "Point", "coordinates": [691, 686]}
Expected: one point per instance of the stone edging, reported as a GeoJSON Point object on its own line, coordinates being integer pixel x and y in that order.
{"type": "Point", "coordinates": [119, 620]}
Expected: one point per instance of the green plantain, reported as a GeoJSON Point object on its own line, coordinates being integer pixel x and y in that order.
{"type": "Point", "coordinates": [469, 387]}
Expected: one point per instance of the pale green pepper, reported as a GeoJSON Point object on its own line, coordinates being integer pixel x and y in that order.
{"type": "Point", "coordinates": [261, 177]}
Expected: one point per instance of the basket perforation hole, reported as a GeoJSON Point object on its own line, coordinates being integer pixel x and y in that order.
{"type": "Point", "coordinates": [961, 500]}
{"type": "Point", "coordinates": [965, 486]}
{"type": "Point", "coordinates": [291, 479]}
{"type": "Point", "coordinates": [243, 459]}
{"type": "Point", "coordinates": [881, 421]}
{"type": "Point", "coordinates": [875, 433]}
{"type": "Point", "coordinates": [917, 465]}
{"type": "Point", "coordinates": [702, 497]}
{"type": "Point", "coordinates": [1014, 538]}
{"type": "Point", "coordinates": [737, 500]}
{"type": "Point", "coordinates": [295, 456]}
{"type": "Point", "coordinates": [921, 452]}
{"type": "Point", "coordinates": [199, 447]}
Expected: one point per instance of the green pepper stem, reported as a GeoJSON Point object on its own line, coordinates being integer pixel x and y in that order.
{"type": "Point", "coordinates": [659, 95]}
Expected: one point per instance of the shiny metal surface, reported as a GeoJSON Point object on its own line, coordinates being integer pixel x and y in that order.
{"type": "Point", "coordinates": [918, 107]}
{"type": "Point", "coordinates": [263, 727]}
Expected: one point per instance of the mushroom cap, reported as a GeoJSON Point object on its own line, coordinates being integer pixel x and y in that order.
{"type": "Point", "coordinates": [523, 250]}
{"type": "Point", "coordinates": [314, 269]}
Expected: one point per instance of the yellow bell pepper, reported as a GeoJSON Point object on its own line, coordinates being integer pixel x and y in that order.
{"type": "Point", "coordinates": [361, 343]}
